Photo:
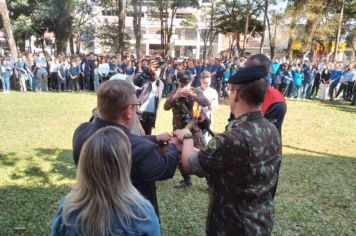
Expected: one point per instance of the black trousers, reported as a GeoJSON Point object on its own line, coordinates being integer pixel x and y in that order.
{"type": "Point", "coordinates": [332, 90]}
{"type": "Point", "coordinates": [315, 89]}
{"type": "Point", "coordinates": [282, 88]}
{"type": "Point", "coordinates": [147, 120]}
{"type": "Point", "coordinates": [86, 82]}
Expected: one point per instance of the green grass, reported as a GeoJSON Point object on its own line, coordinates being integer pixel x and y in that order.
{"type": "Point", "coordinates": [316, 194]}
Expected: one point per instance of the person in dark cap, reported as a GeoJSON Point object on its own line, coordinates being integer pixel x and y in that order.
{"type": "Point", "coordinates": [182, 102]}
{"type": "Point", "coordinates": [241, 162]}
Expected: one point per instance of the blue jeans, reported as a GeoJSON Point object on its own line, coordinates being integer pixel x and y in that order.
{"type": "Point", "coordinates": [60, 83]}
{"type": "Point", "coordinates": [42, 82]}
{"type": "Point", "coordinates": [5, 84]}
{"type": "Point", "coordinates": [30, 81]}
{"type": "Point", "coordinates": [96, 82]}
{"type": "Point", "coordinates": [307, 90]}
{"type": "Point", "coordinates": [296, 91]}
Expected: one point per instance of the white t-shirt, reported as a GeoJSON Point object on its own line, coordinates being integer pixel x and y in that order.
{"type": "Point", "coordinates": [149, 104]}
{"type": "Point", "coordinates": [213, 98]}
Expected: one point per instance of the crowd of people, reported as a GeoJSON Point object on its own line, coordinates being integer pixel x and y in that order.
{"type": "Point", "coordinates": [118, 160]}
{"type": "Point", "coordinates": [297, 79]}
{"type": "Point", "coordinates": [307, 80]}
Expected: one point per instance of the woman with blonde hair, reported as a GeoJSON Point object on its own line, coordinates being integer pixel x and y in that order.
{"type": "Point", "coordinates": [104, 201]}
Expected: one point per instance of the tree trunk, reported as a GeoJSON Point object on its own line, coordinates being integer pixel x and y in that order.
{"type": "Point", "coordinates": [78, 43]}
{"type": "Point", "coordinates": [272, 41]}
{"type": "Point", "coordinates": [339, 30]}
{"type": "Point", "coordinates": [4, 12]}
{"type": "Point", "coordinates": [137, 6]}
{"type": "Point", "coordinates": [71, 44]}
{"type": "Point", "coordinates": [63, 27]}
{"type": "Point", "coordinates": [211, 34]}
{"type": "Point", "coordinates": [291, 38]}
{"type": "Point", "coordinates": [247, 23]}
{"type": "Point", "coordinates": [121, 14]}
{"type": "Point", "coordinates": [264, 25]}
{"type": "Point", "coordinates": [169, 33]}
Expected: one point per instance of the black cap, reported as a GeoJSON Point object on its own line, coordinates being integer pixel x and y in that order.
{"type": "Point", "coordinates": [248, 74]}
{"type": "Point", "coordinates": [184, 77]}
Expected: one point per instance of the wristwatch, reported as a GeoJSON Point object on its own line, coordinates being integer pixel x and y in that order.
{"type": "Point", "coordinates": [188, 136]}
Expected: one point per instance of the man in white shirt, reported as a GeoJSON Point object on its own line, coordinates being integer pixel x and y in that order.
{"type": "Point", "coordinates": [212, 95]}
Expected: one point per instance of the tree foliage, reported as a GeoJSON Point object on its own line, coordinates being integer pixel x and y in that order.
{"type": "Point", "coordinates": [235, 11]}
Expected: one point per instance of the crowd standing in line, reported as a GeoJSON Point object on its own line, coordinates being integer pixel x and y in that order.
{"type": "Point", "coordinates": [297, 79]}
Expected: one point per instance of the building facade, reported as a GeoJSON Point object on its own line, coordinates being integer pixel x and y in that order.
{"type": "Point", "coordinates": [186, 41]}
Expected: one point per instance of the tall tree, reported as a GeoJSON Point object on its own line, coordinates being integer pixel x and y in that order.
{"type": "Point", "coordinates": [275, 21]}
{"type": "Point", "coordinates": [295, 9]}
{"type": "Point", "coordinates": [137, 11]}
{"type": "Point", "coordinates": [167, 10]}
{"type": "Point", "coordinates": [234, 11]}
{"type": "Point", "coordinates": [4, 12]}
{"type": "Point", "coordinates": [266, 4]}
{"type": "Point", "coordinates": [339, 29]}
{"type": "Point", "coordinates": [63, 23]}
{"type": "Point", "coordinates": [121, 7]}
{"type": "Point", "coordinates": [247, 24]}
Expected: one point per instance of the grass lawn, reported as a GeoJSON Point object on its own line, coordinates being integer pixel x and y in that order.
{"type": "Point", "coordinates": [317, 186]}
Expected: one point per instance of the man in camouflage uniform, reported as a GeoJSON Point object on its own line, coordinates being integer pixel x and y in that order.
{"type": "Point", "coordinates": [242, 162]}
{"type": "Point", "coordinates": [181, 102]}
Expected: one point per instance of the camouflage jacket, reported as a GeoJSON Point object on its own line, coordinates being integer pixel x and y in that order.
{"type": "Point", "coordinates": [183, 113]}
{"type": "Point", "coordinates": [242, 163]}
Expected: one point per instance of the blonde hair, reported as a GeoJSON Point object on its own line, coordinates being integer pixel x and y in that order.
{"type": "Point", "coordinates": [104, 189]}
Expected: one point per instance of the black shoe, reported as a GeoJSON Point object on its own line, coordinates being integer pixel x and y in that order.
{"type": "Point", "coordinates": [183, 183]}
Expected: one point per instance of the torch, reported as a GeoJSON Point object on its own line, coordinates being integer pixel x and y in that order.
{"type": "Point", "coordinates": [197, 119]}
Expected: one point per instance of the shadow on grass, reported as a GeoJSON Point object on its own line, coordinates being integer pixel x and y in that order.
{"type": "Point", "coordinates": [29, 210]}
{"type": "Point", "coordinates": [8, 159]}
{"type": "Point", "coordinates": [61, 159]}
{"type": "Point", "coordinates": [337, 105]}
{"type": "Point", "coordinates": [318, 153]}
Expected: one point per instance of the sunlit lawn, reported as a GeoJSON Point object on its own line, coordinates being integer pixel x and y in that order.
{"type": "Point", "coordinates": [316, 194]}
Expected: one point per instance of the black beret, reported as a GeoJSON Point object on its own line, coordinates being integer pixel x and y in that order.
{"type": "Point", "coordinates": [185, 77]}
{"type": "Point", "coordinates": [248, 74]}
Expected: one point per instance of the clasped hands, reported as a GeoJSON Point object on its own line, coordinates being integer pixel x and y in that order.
{"type": "Point", "coordinates": [175, 138]}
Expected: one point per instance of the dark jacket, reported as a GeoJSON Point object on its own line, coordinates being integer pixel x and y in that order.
{"type": "Point", "coordinates": [143, 81]}
{"type": "Point", "coordinates": [148, 165]}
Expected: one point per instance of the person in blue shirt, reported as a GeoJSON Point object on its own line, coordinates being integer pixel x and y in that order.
{"type": "Point", "coordinates": [199, 70]}
{"type": "Point", "coordinates": [5, 74]}
{"type": "Point", "coordinates": [275, 66]}
{"type": "Point", "coordinates": [335, 77]}
{"type": "Point", "coordinates": [346, 84]}
{"type": "Point", "coordinates": [309, 75]}
{"type": "Point", "coordinates": [104, 201]}
{"type": "Point", "coordinates": [74, 72]}
{"type": "Point", "coordinates": [129, 69]}
{"type": "Point", "coordinates": [61, 77]}
{"type": "Point", "coordinates": [280, 76]}
{"type": "Point", "coordinates": [42, 74]}
{"type": "Point", "coordinates": [297, 83]}
{"type": "Point", "coordinates": [113, 69]}
{"type": "Point", "coordinates": [122, 67]}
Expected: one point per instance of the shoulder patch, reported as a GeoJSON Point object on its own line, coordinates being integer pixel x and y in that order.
{"type": "Point", "coordinates": [213, 144]}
